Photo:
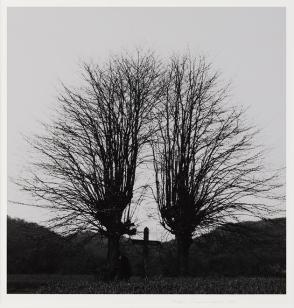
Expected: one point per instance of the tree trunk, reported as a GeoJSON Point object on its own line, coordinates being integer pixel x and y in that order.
{"type": "Point", "coordinates": [183, 246]}
{"type": "Point", "coordinates": [112, 255]}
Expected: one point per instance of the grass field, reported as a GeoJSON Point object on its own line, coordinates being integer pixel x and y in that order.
{"type": "Point", "coordinates": [66, 284]}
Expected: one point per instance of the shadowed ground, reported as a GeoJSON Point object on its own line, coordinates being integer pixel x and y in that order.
{"type": "Point", "coordinates": [86, 284]}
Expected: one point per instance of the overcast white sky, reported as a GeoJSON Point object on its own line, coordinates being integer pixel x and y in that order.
{"type": "Point", "coordinates": [45, 45]}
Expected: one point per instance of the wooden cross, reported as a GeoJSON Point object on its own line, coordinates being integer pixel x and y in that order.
{"type": "Point", "coordinates": [145, 242]}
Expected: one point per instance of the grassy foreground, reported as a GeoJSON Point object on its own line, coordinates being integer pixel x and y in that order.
{"type": "Point", "coordinates": [88, 285]}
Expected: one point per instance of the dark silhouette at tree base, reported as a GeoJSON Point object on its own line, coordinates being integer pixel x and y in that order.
{"type": "Point", "coordinates": [124, 268]}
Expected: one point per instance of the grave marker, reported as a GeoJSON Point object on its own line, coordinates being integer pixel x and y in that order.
{"type": "Point", "coordinates": [145, 243]}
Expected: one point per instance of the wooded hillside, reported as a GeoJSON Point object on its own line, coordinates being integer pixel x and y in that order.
{"type": "Point", "coordinates": [247, 249]}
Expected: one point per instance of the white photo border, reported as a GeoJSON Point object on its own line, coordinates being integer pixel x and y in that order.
{"type": "Point", "coordinates": [130, 301]}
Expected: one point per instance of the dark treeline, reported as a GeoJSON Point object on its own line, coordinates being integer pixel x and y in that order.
{"type": "Point", "coordinates": [260, 251]}
{"type": "Point", "coordinates": [33, 249]}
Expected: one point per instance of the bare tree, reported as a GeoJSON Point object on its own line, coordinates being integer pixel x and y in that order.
{"type": "Point", "coordinates": [208, 170]}
{"type": "Point", "coordinates": [87, 159]}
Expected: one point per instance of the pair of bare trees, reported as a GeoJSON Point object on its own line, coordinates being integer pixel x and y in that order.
{"type": "Point", "coordinates": [207, 169]}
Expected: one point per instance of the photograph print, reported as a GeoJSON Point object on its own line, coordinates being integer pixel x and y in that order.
{"type": "Point", "coordinates": [146, 150]}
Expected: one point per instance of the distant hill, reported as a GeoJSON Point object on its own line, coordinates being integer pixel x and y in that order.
{"type": "Point", "coordinates": [251, 248]}
{"type": "Point", "coordinates": [32, 249]}
{"type": "Point", "coordinates": [247, 248]}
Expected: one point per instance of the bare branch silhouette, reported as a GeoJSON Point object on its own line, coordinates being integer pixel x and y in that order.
{"type": "Point", "coordinates": [208, 170]}
{"type": "Point", "coordinates": [87, 161]}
